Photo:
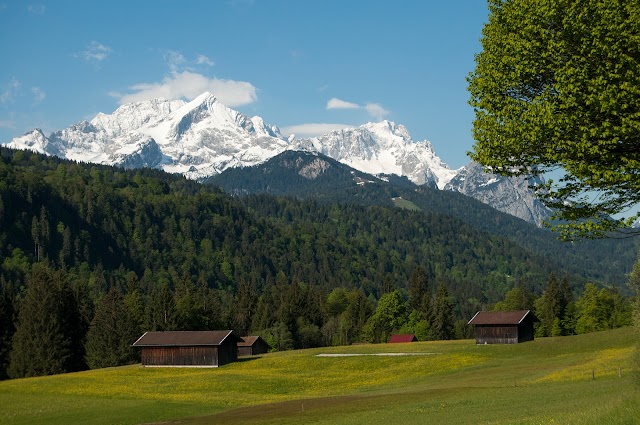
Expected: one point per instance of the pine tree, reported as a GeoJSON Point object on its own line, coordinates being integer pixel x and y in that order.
{"type": "Point", "coordinates": [7, 327]}
{"type": "Point", "coordinates": [443, 320]}
{"type": "Point", "coordinates": [419, 292]}
{"type": "Point", "coordinates": [112, 331]}
{"type": "Point", "coordinates": [41, 345]}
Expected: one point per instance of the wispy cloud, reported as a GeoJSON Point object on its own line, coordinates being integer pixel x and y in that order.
{"type": "Point", "coordinates": [375, 110]}
{"type": "Point", "coordinates": [38, 95]}
{"type": "Point", "coordinates": [203, 60]}
{"type": "Point", "coordinates": [335, 103]}
{"type": "Point", "coordinates": [177, 62]}
{"type": "Point", "coordinates": [313, 129]}
{"type": "Point", "coordinates": [10, 91]}
{"type": "Point", "coordinates": [94, 53]}
{"type": "Point", "coordinates": [37, 9]}
{"type": "Point", "coordinates": [188, 85]}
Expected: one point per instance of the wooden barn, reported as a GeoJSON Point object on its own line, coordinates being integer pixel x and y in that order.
{"type": "Point", "coordinates": [188, 348]}
{"type": "Point", "coordinates": [402, 338]}
{"type": "Point", "coordinates": [503, 327]}
{"type": "Point", "coordinates": [253, 345]}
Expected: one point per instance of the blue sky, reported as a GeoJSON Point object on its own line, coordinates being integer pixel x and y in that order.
{"type": "Point", "coordinates": [306, 66]}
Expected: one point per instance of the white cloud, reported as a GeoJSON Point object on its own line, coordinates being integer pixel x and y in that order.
{"type": "Point", "coordinates": [37, 9]}
{"type": "Point", "coordinates": [312, 130]}
{"type": "Point", "coordinates": [95, 52]}
{"type": "Point", "coordinates": [10, 91]}
{"type": "Point", "coordinates": [335, 103]}
{"type": "Point", "coordinates": [174, 59]}
{"type": "Point", "coordinates": [203, 60]}
{"type": "Point", "coordinates": [188, 85]}
{"type": "Point", "coordinates": [38, 94]}
{"type": "Point", "coordinates": [376, 110]}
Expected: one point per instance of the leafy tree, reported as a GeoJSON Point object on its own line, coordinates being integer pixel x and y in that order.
{"type": "Point", "coordinates": [112, 331]}
{"type": "Point", "coordinates": [517, 298]}
{"type": "Point", "coordinates": [601, 309]}
{"type": "Point", "coordinates": [556, 89]}
{"type": "Point", "coordinates": [634, 283]}
{"type": "Point", "coordinates": [390, 316]}
{"type": "Point", "coordinates": [278, 337]}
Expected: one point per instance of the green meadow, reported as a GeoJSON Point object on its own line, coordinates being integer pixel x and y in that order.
{"type": "Point", "coordinates": [548, 381]}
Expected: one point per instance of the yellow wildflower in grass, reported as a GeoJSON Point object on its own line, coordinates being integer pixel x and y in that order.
{"type": "Point", "coordinates": [603, 363]}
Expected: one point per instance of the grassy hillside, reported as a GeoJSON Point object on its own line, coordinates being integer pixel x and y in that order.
{"type": "Point", "coordinates": [546, 381]}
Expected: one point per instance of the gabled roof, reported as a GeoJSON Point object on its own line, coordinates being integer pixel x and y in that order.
{"type": "Point", "coordinates": [501, 317]}
{"type": "Point", "coordinates": [185, 338]}
{"type": "Point", "coordinates": [403, 338]}
{"type": "Point", "coordinates": [248, 341]}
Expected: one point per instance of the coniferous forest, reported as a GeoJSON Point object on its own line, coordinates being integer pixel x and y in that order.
{"type": "Point", "coordinates": [93, 256]}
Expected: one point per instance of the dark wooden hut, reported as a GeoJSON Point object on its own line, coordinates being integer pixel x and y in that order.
{"type": "Point", "coordinates": [503, 327]}
{"type": "Point", "coordinates": [188, 348]}
{"type": "Point", "coordinates": [396, 338]}
{"type": "Point", "coordinates": [253, 345]}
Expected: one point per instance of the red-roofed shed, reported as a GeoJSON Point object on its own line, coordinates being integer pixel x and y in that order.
{"type": "Point", "coordinates": [402, 338]}
{"type": "Point", "coordinates": [503, 327]}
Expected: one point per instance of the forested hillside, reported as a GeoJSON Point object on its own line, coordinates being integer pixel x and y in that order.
{"type": "Point", "coordinates": [91, 256]}
{"type": "Point", "coordinates": [313, 176]}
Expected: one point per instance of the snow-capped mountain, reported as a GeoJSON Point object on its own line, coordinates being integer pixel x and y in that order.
{"type": "Point", "coordinates": [203, 137]}
{"type": "Point", "coordinates": [198, 139]}
{"type": "Point", "coordinates": [383, 148]}
{"type": "Point", "coordinates": [512, 195]}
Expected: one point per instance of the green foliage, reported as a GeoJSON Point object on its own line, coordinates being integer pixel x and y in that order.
{"type": "Point", "coordinates": [556, 88]}
{"type": "Point", "coordinates": [519, 297]}
{"type": "Point", "coordinates": [43, 343]}
{"type": "Point", "coordinates": [601, 309]}
{"type": "Point", "coordinates": [443, 319]}
{"type": "Point", "coordinates": [7, 327]}
{"type": "Point", "coordinates": [634, 283]}
{"type": "Point", "coordinates": [278, 337]}
{"type": "Point", "coordinates": [111, 333]}
{"type": "Point", "coordinates": [389, 317]}
{"type": "Point", "coordinates": [187, 257]}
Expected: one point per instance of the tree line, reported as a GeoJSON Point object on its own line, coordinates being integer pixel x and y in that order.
{"type": "Point", "coordinates": [93, 256]}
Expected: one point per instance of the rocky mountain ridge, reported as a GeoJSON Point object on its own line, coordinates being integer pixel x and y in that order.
{"type": "Point", "coordinates": [203, 137]}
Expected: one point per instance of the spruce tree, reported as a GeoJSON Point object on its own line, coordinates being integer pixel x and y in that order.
{"type": "Point", "coordinates": [443, 320]}
{"type": "Point", "coordinates": [112, 331]}
{"type": "Point", "coordinates": [419, 292]}
{"type": "Point", "coordinates": [41, 344]}
{"type": "Point", "coordinates": [7, 327]}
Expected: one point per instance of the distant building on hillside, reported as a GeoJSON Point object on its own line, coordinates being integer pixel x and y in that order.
{"type": "Point", "coordinates": [188, 348]}
{"type": "Point", "coordinates": [402, 338]}
{"type": "Point", "coordinates": [503, 327]}
{"type": "Point", "coordinates": [253, 345]}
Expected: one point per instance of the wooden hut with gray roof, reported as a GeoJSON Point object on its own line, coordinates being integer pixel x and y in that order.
{"type": "Point", "coordinates": [253, 345]}
{"type": "Point", "coordinates": [188, 348]}
{"type": "Point", "coordinates": [503, 327]}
